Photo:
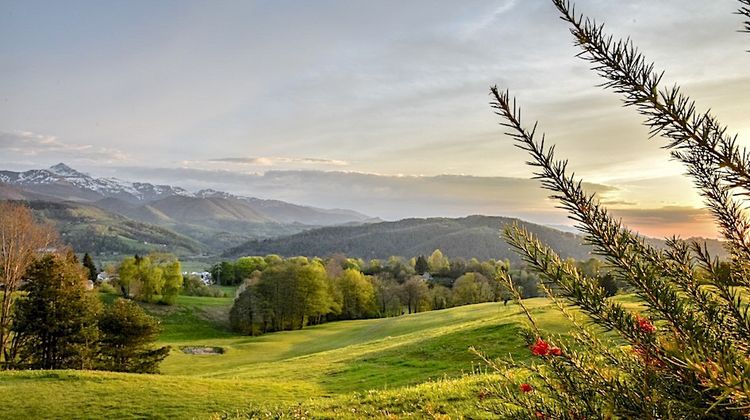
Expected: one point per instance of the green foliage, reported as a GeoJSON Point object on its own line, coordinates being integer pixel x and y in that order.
{"type": "Point", "coordinates": [408, 366]}
{"type": "Point", "coordinates": [358, 295]}
{"type": "Point", "coordinates": [687, 355]}
{"type": "Point", "coordinates": [194, 286]}
{"type": "Point", "coordinates": [472, 288]}
{"type": "Point", "coordinates": [145, 278]}
{"type": "Point", "coordinates": [91, 229]}
{"type": "Point", "coordinates": [55, 324]}
{"type": "Point", "coordinates": [223, 273]}
{"type": "Point", "coordinates": [172, 274]}
{"type": "Point", "coordinates": [415, 294]}
{"type": "Point", "coordinates": [127, 333]}
{"type": "Point", "coordinates": [438, 263]}
{"type": "Point", "coordinates": [420, 265]}
{"type": "Point", "coordinates": [88, 263]}
{"type": "Point", "coordinates": [468, 237]}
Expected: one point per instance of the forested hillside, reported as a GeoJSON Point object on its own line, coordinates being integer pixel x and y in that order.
{"type": "Point", "coordinates": [469, 237]}
{"type": "Point", "coordinates": [90, 229]}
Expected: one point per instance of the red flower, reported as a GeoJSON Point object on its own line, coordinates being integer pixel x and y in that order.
{"type": "Point", "coordinates": [526, 388]}
{"type": "Point", "coordinates": [555, 351]}
{"type": "Point", "coordinates": [645, 325]}
{"type": "Point", "coordinates": [540, 348]}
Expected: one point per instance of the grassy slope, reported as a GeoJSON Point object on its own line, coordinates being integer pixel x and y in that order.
{"type": "Point", "coordinates": [416, 363]}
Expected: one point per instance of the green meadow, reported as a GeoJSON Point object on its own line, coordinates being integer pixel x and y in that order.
{"type": "Point", "coordinates": [413, 365]}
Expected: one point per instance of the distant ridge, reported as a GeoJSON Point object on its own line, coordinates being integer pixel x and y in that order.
{"type": "Point", "coordinates": [468, 237]}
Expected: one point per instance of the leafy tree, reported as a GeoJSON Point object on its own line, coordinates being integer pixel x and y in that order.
{"type": "Point", "coordinates": [440, 297]}
{"type": "Point", "coordinates": [472, 288]}
{"type": "Point", "coordinates": [150, 279]}
{"type": "Point", "coordinates": [224, 273]}
{"type": "Point", "coordinates": [687, 355]}
{"type": "Point", "coordinates": [88, 262]}
{"type": "Point", "coordinates": [245, 266]}
{"type": "Point", "coordinates": [172, 274]}
{"type": "Point", "coordinates": [245, 315]}
{"type": "Point", "coordinates": [21, 238]}
{"type": "Point", "coordinates": [387, 296]}
{"type": "Point", "coordinates": [127, 336]}
{"type": "Point", "coordinates": [415, 294]}
{"type": "Point", "coordinates": [420, 265]}
{"type": "Point", "coordinates": [438, 263]}
{"type": "Point", "coordinates": [55, 324]}
{"type": "Point", "coordinates": [358, 295]}
{"type": "Point", "coordinates": [145, 278]}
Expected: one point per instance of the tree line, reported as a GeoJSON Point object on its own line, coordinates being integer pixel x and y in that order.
{"type": "Point", "coordinates": [282, 294]}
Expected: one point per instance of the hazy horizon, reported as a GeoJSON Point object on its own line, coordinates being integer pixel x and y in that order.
{"type": "Point", "coordinates": [379, 107]}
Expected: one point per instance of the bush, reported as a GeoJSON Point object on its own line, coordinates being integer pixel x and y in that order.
{"type": "Point", "coordinates": [194, 286]}
{"type": "Point", "coordinates": [687, 354]}
{"type": "Point", "coordinates": [107, 287]}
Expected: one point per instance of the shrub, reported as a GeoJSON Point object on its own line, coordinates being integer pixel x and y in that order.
{"type": "Point", "coordinates": [194, 286]}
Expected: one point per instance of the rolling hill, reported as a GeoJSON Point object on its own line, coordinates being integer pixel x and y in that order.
{"type": "Point", "coordinates": [380, 366]}
{"type": "Point", "coordinates": [90, 229]}
{"type": "Point", "coordinates": [473, 236]}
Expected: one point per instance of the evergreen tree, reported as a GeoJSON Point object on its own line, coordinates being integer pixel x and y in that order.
{"type": "Point", "coordinates": [687, 354]}
{"type": "Point", "coordinates": [56, 323]}
{"type": "Point", "coordinates": [421, 266]}
{"type": "Point", "coordinates": [88, 262]}
{"type": "Point", "coordinates": [127, 335]}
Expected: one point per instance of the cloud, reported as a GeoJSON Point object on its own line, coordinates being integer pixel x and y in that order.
{"type": "Point", "coordinates": [25, 144]}
{"type": "Point", "coordinates": [669, 220]}
{"type": "Point", "coordinates": [271, 161]}
{"type": "Point", "coordinates": [385, 196]}
{"type": "Point", "coordinates": [474, 27]}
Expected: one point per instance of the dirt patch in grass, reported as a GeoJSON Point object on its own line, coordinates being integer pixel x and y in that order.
{"type": "Point", "coordinates": [201, 350]}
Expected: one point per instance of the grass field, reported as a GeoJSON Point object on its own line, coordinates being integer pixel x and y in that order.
{"type": "Point", "coordinates": [417, 363]}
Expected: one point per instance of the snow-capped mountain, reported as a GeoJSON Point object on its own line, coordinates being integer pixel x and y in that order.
{"type": "Point", "coordinates": [61, 181]}
{"type": "Point", "coordinates": [161, 204]}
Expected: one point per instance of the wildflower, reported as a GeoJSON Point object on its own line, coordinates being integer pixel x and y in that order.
{"type": "Point", "coordinates": [555, 351]}
{"type": "Point", "coordinates": [526, 388]}
{"type": "Point", "coordinates": [540, 348]}
{"type": "Point", "coordinates": [645, 325]}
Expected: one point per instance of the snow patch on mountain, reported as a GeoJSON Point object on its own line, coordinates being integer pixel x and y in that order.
{"type": "Point", "coordinates": [64, 175]}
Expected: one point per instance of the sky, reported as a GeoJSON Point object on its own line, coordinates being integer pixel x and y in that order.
{"type": "Point", "coordinates": [380, 107]}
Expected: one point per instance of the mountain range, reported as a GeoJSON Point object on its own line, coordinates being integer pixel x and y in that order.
{"type": "Point", "coordinates": [212, 220]}
{"type": "Point", "coordinates": [107, 216]}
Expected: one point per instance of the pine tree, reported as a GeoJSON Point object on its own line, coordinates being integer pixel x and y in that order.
{"type": "Point", "coordinates": [88, 262]}
{"type": "Point", "coordinates": [55, 325]}
{"type": "Point", "coordinates": [127, 335]}
{"type": "Point", "coordinates": [421, 266]}
{"type": "Point", "coordinates": [688, 354]}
